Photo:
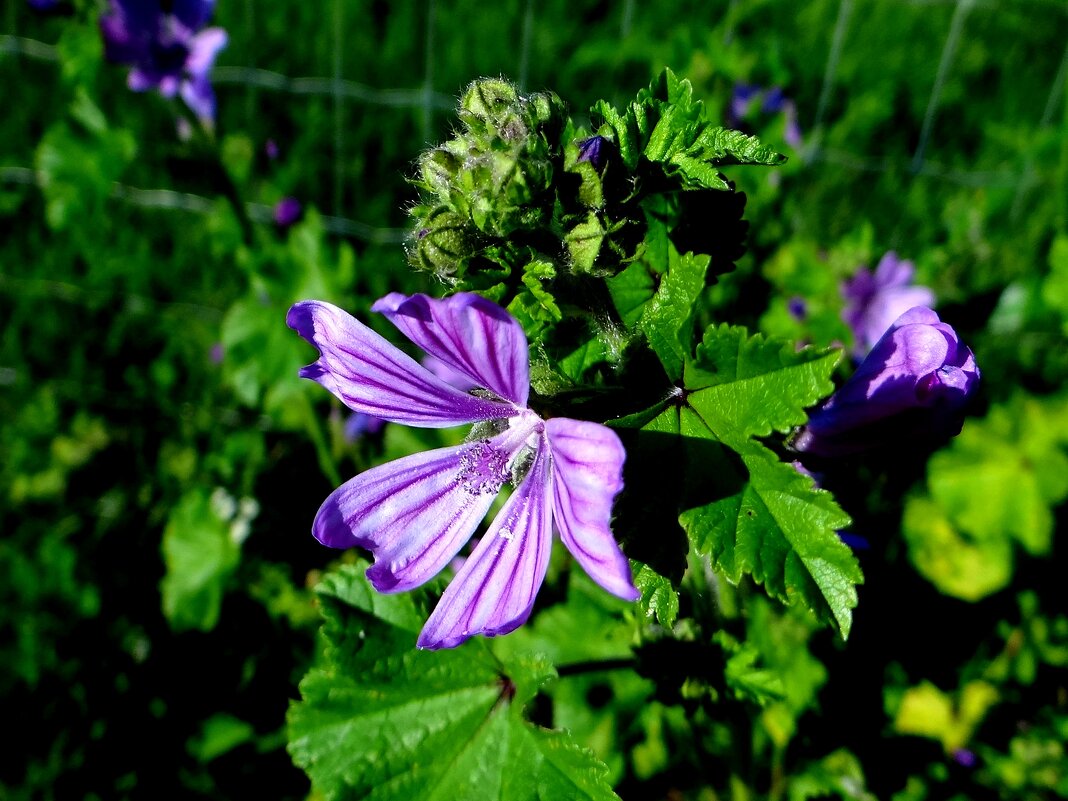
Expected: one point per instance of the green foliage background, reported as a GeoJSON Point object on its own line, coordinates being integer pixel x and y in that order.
{"type": "Point", "coordinates": [161, 463]}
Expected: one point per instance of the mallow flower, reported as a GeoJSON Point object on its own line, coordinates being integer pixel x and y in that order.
{"type": "Point", "coordinates": [875, 300]}
{"type": "Point", "coordinates": [416, 513]}
{"type": "Point", "coordinates": [163, 43]}
{"type": "Point", "coordinates": [910, 390]}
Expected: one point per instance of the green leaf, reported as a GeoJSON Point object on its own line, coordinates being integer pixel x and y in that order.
{"type": "Point", "coordinates": [659, 596]}
{"type": "Point", "coordinates": [584, 243]}
{"type": "Point", "coordinates": [998, 481]}
{"type": "Point", "coordinates": [750, 386]}
{"type": "Point", "coordinates": [777, 527]}
{"type": "Point", "coordinates": [668, 318]}
{"type": "Point", "coordinates": [382, 720]}
{"type": "Point", "coordinates": [781, 530]}
{"type": "Point", "coordinates": [221, 733]}
{"type": "Point", "coordinates": [200, 554]}
{"type": "Point", "coordinates": [957, 566]}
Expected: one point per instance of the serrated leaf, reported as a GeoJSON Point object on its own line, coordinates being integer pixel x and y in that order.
{"type": "Point", "coordinates": [745, 386]}
{"type": "Point", "coordinates": [667, 320]}
{"type": "Point", "coordinates": [780, 530]}
{"type": "Point", "coordinates": [659, 597]}
{"type": "Point", "coordinates": [382, 720]}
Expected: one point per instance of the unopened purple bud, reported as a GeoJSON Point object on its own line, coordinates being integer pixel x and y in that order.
{"type": "Point", "coordinates": [287, 211]}
{"type": "Point", "coordinates": [594, 150]}
{"type": "Point", "coordinates": [797, 307]}
{"type": "Point", "coordinates": [909, 391]}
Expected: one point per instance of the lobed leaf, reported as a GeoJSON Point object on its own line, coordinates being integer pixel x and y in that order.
{"type": "Point", "coordinates": [381, 720]}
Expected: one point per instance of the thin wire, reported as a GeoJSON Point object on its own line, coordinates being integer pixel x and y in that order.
{"type": "Point", "coordinates": [845, 10]}
{"type": "Point", "coordinates": [168, 199]}
{"type": "Point", "coordinates": [21, 46]}
{"type": "Point", "coordinates": [350, 90]}
{"type": "Point", "coordinates": [525, 40]}
{"type": "Point", "coordinates": [1027, 180]}
{"type": "Point", "coordinates": [956, 26]}
{"type": "Point", "coordinates": [627, 20]}
{"type": "Point", "coordinates": [1056, 91]}
{"type": "Point", "coordinates": [339, 142]}
{"type": "Point", "coordinates": [250, 56]}
{"type": "Point", "coordinates": [427, 118]}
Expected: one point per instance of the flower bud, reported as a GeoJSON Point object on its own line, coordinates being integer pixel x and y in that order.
{"type": "Point", "coordinates": [911, 388]}
{"type": "Point", "coordinates": [442, 244]}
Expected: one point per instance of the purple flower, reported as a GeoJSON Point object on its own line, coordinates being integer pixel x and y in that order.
{"type": "Point", "coordinates": [287, 211]}
{"type": "Point", "coordinates": [910, 389]}
{"type": "Point", "coordinates": [161, 42]}
{"type": "Point", "coordinates": [44, 5]}
{"type": "Point", "coordinates": [360, 425]}
{"type": "Point", "coordinates": [771, 101]}
{"type": "Point", "coordinates": [416, 513]}
{"type": "Point", "coordinates": [797, 308]}
{"type": "Point", "coordinates": [874, 301]}
{"type": "Point", "coordinates": [271, 149]}
{"type": "Point", "coordinates": [594, 150]}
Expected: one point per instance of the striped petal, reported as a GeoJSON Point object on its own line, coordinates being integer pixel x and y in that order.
{"type": "Point", "coordinates": [587, 474]}
{"type": "Point", "coordinates": [494, 591]}
{"type": "Point", "coordinates": [372, 376]}
{"type": "Point", "coordinates": [470, 334]}
{"type": "Point", "coordinates": [414, 514]}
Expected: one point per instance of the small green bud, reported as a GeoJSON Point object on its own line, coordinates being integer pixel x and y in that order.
{"type": "Point", "coordinates": [438, 168]}
{"type": "Point", "coordinates": [442, 244]}
{"type": "Point", "coordinates": [489, 101]}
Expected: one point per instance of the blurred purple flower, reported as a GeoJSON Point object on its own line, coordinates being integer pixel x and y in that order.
{"type": "Point", "coordinates": [217, 353]}
{"type": "Point", "coordinates": [271, 149]}
{"type": "Point", "coordinates": [771, 101]}
{"type": "Point", "coordinates": [287, 211]}
{"type": "Point", "coordinates": [875, 300]}
{"type": "Point", "coordinates": [416, 513]}
{"type": "Point", "coordinates": [797, 308]}
{"type": "Point", "coordinates": [965, 758]}
{"type": "Point", "coordinates": [360, 425]}
{"type": "Point", "coordinates": [163, 43]}
{"type": "Point", "coordinates": [44, 5]}
{"type": "Point", "coordinates": [911, 389]}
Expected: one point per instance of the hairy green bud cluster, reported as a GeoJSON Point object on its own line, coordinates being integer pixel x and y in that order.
{"type": "Point", "coordinates": [537, 213]}
{"type": "Point", "coordinates": [492, 182]}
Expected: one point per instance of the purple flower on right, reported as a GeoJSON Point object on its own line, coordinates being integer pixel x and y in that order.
{"type": "Point", "coordinates": [911, 389]}
{"type": "Point", "coordinates": [875, 300]}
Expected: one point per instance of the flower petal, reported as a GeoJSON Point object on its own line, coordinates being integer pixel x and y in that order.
{"type": "Point", "coordinates": [204, 47]}
{"type": "Point", "coordinates": [494, 591]}
{"type": "Point", "coordinates": [199, 96]}
{"type": "Point", "coordinates": [470, 334]}
{"type": "Point", "coordinates": [587, 470]}
{"type": "Point", "coordinates": [374, 377]}
{"type": "Point", "coordinates": [414, 514]}
{"type": "Point", "coordinates": [192, 13]}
